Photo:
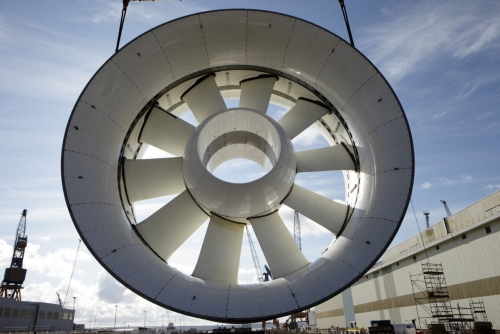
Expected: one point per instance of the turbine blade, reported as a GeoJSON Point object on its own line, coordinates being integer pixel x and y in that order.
{"type": "Point", "coordinates": [256, 92]}
{"type": "Point", "coordinates": [302, 115]}
{"type": "Point", "coordinates": [324, 159]}
{"type": "Point", "coordinates": [168, 228]}
{"type": "Point", "coordinates": [219, 259]}
{"type": "Point", "coordinates": [204, 98]}
{"type": "Point", "coordinates": [150, 178]}
{"type": "Point", "coordinates": [327, 213]}
{"type": "Point", "coordinates": [166, 132]}
{"type": "Point", "coordinates": [282, 253]}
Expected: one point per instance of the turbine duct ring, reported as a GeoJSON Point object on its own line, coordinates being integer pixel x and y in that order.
{"type": "Point", "coordinates": [133, 101]}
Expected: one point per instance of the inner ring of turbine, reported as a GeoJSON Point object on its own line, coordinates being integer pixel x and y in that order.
{"type": "Point", "coordinates": [239, 133]}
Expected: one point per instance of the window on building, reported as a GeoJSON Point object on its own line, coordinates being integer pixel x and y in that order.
{"type": "Point", "coordinates": [464, 236]}
{"type": "Point", "coordinates": [31, 313]}
{"type": "Point", "coordinates": [56, 315]}
{"type": "Point", "coordinates": [24, 313]}
{"type": "Point", "coordinates": [15, 313]}
{"type": "Point", "coordinates": [437, 247]}
{"type": "Point", "coordinates": [65, 317]}
{"type": "Point", "coordinates": [49, 315]}
{"type": "Point", "coordinates": [41, 314]}
{"type": "Point", "coordinates": [488, 229]}
{"type": "Point", "coordinates": [71, 316]}
{"type": "Point", "coordinates": [6, 313]}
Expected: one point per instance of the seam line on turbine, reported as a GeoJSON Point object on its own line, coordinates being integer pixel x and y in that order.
{"type": "Point", "coordinates": [287, 44]}
{"type": "Point", "coordinates": [130, 79]}
{"type": "Point", "coordinates": [227, 300]}
{"type": "Point", "coordinates": [364, 83]}
{"type": "Point", "coordinates": [88, 155]}
{"type": "Point", "coordinates": [204, 40]}
{"type": "Point", "coordinates": [120, 248]}
{"type": "Point", "coordinates": [369, 133]}
{"type": "Point", "coordinates": [94, 107]}
{"type": "Point", "coordinates": [171, 278]}
{"type": "Point", "coordinates": [293, 295]}
{"type": "Point", "coordinates": [326, 62]}
{"type": "Point", "coordinates": [164, 54]}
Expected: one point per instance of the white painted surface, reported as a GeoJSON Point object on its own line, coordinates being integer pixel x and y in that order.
{"type": "Point", "coordinates": [220, 254]}
{"type": "Point", "coordinates": [256, 93]}
{"type": "Point", "coordinates": [324, 159]}
{"type": "Point", "coordinates": [329, 214]}
{"type": "Point", "coordinates": [282, 253]}
{"type": "Point", "coordinates": [259, 43]}
{"type": "Point", "coordinates": [169, 227]}
{"type": "Point", "coordinates": [152, 178]}
{"type": "Point", "coordinates": [166, 132]}
{"type": "Point", "coordinates": [204, 99]}
{"type": "Point", "coordinates": [239, 201]}
{"type": "Point", "coordinates": [301, 116]}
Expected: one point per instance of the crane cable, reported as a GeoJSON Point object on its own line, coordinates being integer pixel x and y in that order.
{"type": "Point", "coordinates": [74, 264]}
{"type": "Point", "coordinates": [122, 21]}
{"type": "Point", "coordinates": [420, 232]}
{"type": "Point", "coordinates": [346, 19]}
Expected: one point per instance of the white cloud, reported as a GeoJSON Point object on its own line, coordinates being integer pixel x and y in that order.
{"type": "Point", "coordinates": [426, 185]}
{"type": "Point", "coordinates": [53, 264]}
{"type": "Point", "coordinates": [309, 138]}
{"type": "Point", "coordinates": [467, 89]}
{"type": "Point", "coordinates": [492, 187]}
{"type": "Point", "coordinates": [110, 290]}
{"type": "Point", "coordinates": [413, 35]}
{"type": "Point", "coordinates": [71, 66]}
{"type": "Point", "coordinates": [110, 11]}
{"type": "Point", "coordinates": [463, 178]}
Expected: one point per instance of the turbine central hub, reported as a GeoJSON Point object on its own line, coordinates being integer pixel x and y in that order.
{"type": "Point", "coordinates": [239, 133]}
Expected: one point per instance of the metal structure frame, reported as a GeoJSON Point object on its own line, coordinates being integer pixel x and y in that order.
{"type": "Point", "coordinates": [296, 229]}
{"type": "Point", "coordinates": [15, 274]}
{"type": "Point", "coordinates": [134, 101]}
{"type": "Point", "coordinates": [431, 295]}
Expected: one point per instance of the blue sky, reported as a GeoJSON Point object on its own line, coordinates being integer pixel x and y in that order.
{"type": "Point", "coordinates": [441, 58]}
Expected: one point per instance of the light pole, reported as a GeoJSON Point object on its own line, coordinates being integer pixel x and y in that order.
{"type": "Point", "coordinates": [116, 311]}
{"type": "Point", "coordinates": [124, 327]}
{"type": "Point", "coordinates": [95, 320]}
{"type": "Point", "coordinates": [74, 300]}
{"type": "Point", "coordinates": [144, 319]}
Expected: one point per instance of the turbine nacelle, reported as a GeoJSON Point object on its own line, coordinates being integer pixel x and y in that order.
{"type": "Point", "coordinates": [246, 134]}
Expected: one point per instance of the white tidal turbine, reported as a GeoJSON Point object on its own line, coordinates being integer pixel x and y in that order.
{"type": "Point", "coordinates": [195, 63]}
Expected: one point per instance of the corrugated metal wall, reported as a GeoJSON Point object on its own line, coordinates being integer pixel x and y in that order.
{"type": "Point", "coordinates": [471, 262]}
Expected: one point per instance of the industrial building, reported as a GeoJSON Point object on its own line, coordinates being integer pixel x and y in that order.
{"type": "Point", "coordinates": [458, 257]}
{"type": "Point", "coordinates": [16, 316]}
{"type": "Point", "coordinates": [24, 316]}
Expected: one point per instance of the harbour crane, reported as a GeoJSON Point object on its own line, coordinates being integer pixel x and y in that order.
{"type": "Point", "coordinates": [14, 275]}
{"type": "Point", "coordinates": [426, 214]}
{"type": "Point", "coordinates": [59, 298]}
{"type": "Point", "coordinates": [255, 258]}
{"type": "Point", "coordinates": [448, 212]}
{"type": "Point", "coordinates": [296, 230]}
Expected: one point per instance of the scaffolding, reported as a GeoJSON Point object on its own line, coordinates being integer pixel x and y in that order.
{"type": "Point", "coordinates": [432, 299]}
{"type": "Point", "coordinates": [434, 310]}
